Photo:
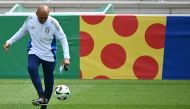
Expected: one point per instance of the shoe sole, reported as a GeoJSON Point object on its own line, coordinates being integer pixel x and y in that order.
{"type": "Point", "coordinates": [43, 104]}
{"type": "Point", "coordinates": [38, 104]}
{"type": "Point", "coordinates": [35, 103]}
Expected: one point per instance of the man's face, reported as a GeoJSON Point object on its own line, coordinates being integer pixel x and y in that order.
{"type": "Point", "coordinates": [42, 17]}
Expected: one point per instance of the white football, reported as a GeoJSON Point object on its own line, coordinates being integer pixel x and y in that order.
{"type": "Point", "coordinates": [62, 92]}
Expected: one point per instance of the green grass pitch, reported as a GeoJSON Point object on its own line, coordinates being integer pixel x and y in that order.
{"type": "Point", "coordinates": [101, 94]}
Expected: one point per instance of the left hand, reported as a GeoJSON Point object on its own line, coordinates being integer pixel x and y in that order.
{"type": "Point", "coordinates": [65, 64]}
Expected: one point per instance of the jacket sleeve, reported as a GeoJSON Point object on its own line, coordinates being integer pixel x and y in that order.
{"type": "Point", "coordinates": [19, 34]}
{"type": "Point", "coordinates": [60, 35]}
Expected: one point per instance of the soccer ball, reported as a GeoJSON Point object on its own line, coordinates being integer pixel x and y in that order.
{"type": "Point", "coordinates": [62, 92]}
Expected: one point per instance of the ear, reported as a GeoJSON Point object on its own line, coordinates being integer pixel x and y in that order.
{"type": "Point", "coordinates": [37, 13]}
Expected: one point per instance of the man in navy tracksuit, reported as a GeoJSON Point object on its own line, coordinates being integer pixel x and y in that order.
{"type": "Point", "coordinates": [44, 30]}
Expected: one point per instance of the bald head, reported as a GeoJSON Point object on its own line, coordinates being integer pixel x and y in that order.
{"type": "Point", "coordinates": [42, 13]}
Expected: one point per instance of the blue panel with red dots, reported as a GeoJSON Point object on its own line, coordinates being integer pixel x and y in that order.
{"type": "Point", "coordinates": [177, 48]}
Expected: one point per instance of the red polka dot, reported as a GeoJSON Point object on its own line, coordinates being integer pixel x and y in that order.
{"type": "Point", "coordinates": [113, 56]}
{"type": "Point", "coordinates": [145, 67]}
{"type": "Point", "coordinates": [93, 19]}
{"type": "Point", "coordinates": [86, 43]}
{"type": "Point", "coordinates": [101, 77]}
{"type": "Point", "coordinates": [155, 36]}
{"type": "Point", "coordinates": [125, 25]}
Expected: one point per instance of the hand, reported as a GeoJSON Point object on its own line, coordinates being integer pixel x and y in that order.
{"type": "Point", "coordinates": [65, 64]}
{"type": "Point", "coordinates": [66, 61]}
{"type": "Point", "coordinates": [6, 47]}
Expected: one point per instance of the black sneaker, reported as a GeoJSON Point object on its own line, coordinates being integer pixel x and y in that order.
{"type": "Point", "coordinates": [40, 102]}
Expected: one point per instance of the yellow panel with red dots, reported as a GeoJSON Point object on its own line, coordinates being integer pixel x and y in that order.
{"type": "Point", "coordinates": [121, 46]}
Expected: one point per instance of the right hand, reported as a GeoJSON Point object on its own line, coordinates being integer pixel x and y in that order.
{"type": "Point", "coordinates": [6, 47]}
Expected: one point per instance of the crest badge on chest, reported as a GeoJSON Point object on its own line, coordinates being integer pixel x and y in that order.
{"type": "Point", "coordinates": [47, 29]}
{"type": "Point", "coordinates": [33, 27]}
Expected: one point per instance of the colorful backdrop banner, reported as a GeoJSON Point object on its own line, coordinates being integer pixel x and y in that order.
{"type": "Point", "coordinates": [110, 47]}
{"type": "Point", "coordinates": [177, 49]}
{"type": "Point", "coordinates": [14, 63]}
{"type": "Point", "coordinates": [122, 46]}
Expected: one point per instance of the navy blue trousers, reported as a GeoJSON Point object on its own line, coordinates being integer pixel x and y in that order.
{"type": "Point", "coordinates": [48, 69]}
